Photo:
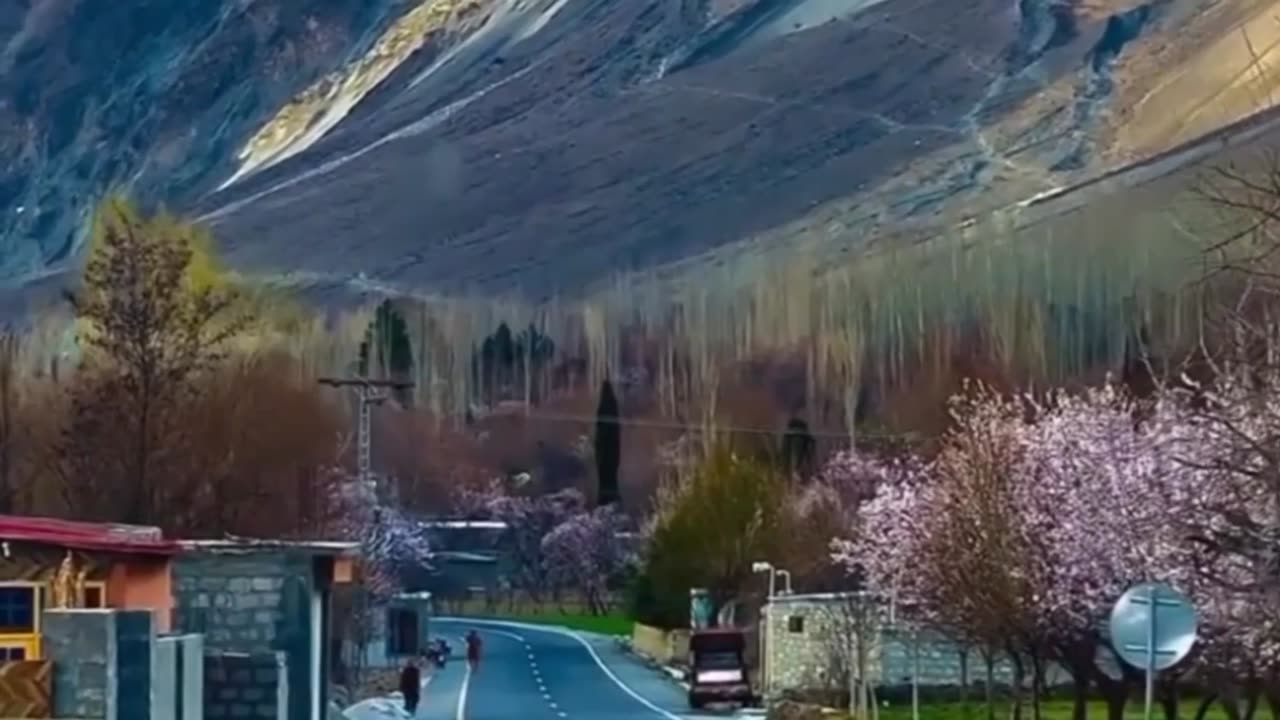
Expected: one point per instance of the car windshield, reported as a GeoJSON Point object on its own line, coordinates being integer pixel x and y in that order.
{"type": "Point", "coordinates": [720, 660]}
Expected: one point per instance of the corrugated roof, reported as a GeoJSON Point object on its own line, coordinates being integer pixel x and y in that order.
{"type": "Point", "coordinates": [248, 545]}
{"type": "Point", "coordinates": [99, 537]}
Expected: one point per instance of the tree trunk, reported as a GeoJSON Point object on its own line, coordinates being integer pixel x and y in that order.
{"type": "Point", "coordinates": [1019, 680]}
{"type": "Point", "coordinates": [989, 658]}
{"type": "Point", "coordinates": [1168, 699]}
{"type": "Point", "coordinates": [1115, 692]}
{"type": "Point", "coordinates": [1205, 704]}
{"type": "Point", "coordinates": [1252, 694]}
{"type": "Point", "coordinates": [1037, 683]}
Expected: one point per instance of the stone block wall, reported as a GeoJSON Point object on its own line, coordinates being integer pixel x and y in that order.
{"type": "Point", "coordinates": [237, 602]}
{"type": "Point", "coordinates": [663, 646]}
{"type": "Point", "coordinates": [249, 686]}
{"type": "Point", "coordinates": [102, 662]}
{"type": "Point", "coordinates": [253, 602]}
{"type": "Point", "coordinates": [812, 638]}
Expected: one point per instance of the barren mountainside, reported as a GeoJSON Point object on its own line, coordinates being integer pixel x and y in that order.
{"type": "Point", "coordinates": [543, 145]}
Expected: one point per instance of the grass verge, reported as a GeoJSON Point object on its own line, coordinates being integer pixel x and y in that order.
{"type": "Point", "coordinates": [1050, 710]}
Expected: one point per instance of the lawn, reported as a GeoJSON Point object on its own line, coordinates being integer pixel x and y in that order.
{"type": "Point", "coordinates": [1050, 710]}
{"type": "Point", "coordinates": [602, 624]}
{"type": "Point", "coordinates": [566, 614]}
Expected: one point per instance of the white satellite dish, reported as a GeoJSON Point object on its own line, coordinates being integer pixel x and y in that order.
{"type": "Point", "coordinates": [1153, 628]}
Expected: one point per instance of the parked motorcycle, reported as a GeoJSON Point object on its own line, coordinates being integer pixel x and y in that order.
{"type": "Point", "coordinates": [438, 652]}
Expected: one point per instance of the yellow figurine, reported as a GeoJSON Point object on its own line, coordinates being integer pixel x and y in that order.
{"type": "Point", "coordinates": [64, 584]}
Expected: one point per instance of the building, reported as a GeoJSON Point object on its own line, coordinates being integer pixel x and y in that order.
{"type": "Point", "coordinates": [402, 630]}
{"type": "Point", "coordinates": [269, 601]}
{"type": "Point", "coordinates": [120, 566]}
{"type": "Point", "coordinates": [810, 645]}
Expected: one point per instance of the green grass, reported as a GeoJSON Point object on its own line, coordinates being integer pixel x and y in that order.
{"type": "Point", "coordinates": [567, 614]}
{"type": "Point", "coordinates": [601, 624]}
{"type": "Point", "coordinates": [1050, 710]}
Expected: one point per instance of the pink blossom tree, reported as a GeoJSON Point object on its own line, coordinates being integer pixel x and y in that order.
{"type": "Point", "coordinates": [390, 541]}
{"type": "Point", "coordinates": [586, 554]}
{"type": "Point", "coordinates": [528, 519]}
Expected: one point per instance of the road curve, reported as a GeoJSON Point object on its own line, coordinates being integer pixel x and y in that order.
{"type": "Point", "coordinates": [535, 673]}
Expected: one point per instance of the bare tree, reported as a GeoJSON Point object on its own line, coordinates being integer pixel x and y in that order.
{"type": "Point", "coordinates": [853, 623]}
{"type": "Point", "coordinates": [8, 419]}
{"type": "Point", "coordinates": [149, 332]}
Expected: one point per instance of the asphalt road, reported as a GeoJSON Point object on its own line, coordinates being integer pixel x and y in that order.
{"type": "Point", "coordinates": [530, 673]}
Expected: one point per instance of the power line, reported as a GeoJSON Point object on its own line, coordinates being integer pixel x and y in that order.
{"type": "Point", "coordinates": [673, 425]}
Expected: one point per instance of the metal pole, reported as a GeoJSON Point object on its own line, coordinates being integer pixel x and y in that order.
{"type": "Point", "coordinates": [1151, 653]}
{"type": "Point", "coordinates": [915, 674]}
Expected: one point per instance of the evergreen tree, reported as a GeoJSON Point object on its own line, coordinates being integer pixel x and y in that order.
{"type": "Point", "coordinates": [798, 448]}
{"type": "Point", "coordinates": [386, 352]}
{"type": "Point", "coordinates": [608, 445]}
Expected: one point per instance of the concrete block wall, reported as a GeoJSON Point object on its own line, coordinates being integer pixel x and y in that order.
{"type": "Point", "coordinates": [807, 654]}
{"type": "Point", "coordinates": [102, 662]}
{"type": "Point", "coordinates": [250, 686]}
{"type": "Point", "coordinates": [253, 602]}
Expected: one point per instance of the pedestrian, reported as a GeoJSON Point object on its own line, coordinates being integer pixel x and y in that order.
{"type": "Point", "coordinates": [474, 647]}
{"type": "Point", "coordinates": [411, 686]}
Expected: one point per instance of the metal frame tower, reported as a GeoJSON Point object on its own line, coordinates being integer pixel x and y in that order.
{"type": "Point", "coordinates": [368, 393]}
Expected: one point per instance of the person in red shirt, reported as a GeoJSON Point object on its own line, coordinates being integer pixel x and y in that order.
{"type": "Point", "coordinates": [474, 648]}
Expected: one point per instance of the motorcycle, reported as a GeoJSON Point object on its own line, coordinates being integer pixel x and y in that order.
{"type": "Point", "coordinates": [438, 653]}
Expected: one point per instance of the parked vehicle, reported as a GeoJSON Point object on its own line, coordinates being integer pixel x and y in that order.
{"type": "Point", "coordinates": [438, 652]}
{"type": "Point", "coordinates": [718, 668]}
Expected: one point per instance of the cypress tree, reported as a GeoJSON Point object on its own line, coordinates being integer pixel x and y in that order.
{"type": "Point", "coordinates": [608, 445]}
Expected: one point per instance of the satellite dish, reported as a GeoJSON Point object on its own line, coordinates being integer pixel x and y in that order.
{"type": "Point", "coordinates": [1153, 627]}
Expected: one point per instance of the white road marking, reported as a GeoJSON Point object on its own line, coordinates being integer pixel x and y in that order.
{"type": "Point", "coordinates": [567, 633]}
{"type": "Point", "coordinates": [462, 695]}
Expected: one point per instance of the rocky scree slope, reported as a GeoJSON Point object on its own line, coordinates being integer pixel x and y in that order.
{"type": "Point", "coordinates": [542, 145]}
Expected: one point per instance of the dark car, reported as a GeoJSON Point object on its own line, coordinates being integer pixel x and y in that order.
{"type": "Point", "coordinates": [718, 668]}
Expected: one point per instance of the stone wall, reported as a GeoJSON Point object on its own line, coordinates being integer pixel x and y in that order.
{"type": "Point", "coordinates": [250, 686]}
{"type": "Point", "coordinates": [663, 646]}
{"type": "Point", "coordinates": [811, 639]}
{"type": "Point", "coordinates": [102, 662]}
{"type": "Point", "coordinates": [254, 601]}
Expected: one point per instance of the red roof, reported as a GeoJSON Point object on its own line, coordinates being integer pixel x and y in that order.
{"type": "Point", "coordinates": [100, 537]}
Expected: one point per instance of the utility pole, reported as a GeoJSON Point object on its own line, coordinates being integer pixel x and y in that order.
{"type": "Point", "coordinates": [369, 393]}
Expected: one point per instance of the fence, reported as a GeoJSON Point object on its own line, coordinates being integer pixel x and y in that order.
{"type": "Point", "coordinates": [26, 689]}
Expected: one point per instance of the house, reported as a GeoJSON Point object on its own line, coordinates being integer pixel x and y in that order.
{"type": "Point", "coordinates": [118, 566]}
{"type": "Point", "coordinates": [267, 601]}
{"type": "Point", "coordinates": [810, 644]}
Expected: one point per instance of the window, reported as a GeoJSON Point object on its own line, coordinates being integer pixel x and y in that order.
{"type": "Point", "coordinates": [9, 653]}
{"type": "Point", "coordinates": [402, 632]}
{"type": "Point", "coordinates": [17, 609]}
{"type": "Point", "coordinates": [795, 623]}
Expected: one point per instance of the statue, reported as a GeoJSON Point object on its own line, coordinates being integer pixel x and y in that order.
{"type": "Point", "coordinates": [64, 584]}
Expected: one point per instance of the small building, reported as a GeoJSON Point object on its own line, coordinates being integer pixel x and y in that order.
{"type": "Point", "coordinates": [267, 603]}
{"type": "Point", "coordinates": [810, 644]}
{"type": "Point", "coordinates": [401, 630]}
{"type": "Point", "coordinates": [124, 567]}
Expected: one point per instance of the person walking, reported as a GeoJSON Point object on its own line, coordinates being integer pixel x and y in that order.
{"type": "Point", "coordinates": [411, 686]}
{"type": "Point", "coordinates": [474, 647]}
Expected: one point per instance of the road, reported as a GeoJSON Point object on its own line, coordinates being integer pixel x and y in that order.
{"type": "Point", "coordinates": [531, 673]}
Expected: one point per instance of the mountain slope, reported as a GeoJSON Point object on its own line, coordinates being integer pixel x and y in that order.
{"type": "Point", "coordinates": [542, 145]}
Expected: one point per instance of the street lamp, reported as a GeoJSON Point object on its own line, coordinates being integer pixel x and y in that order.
{"type": "Point", "coordinates": [760, 567]}
{"type": "Point", "coordinates": [787, 585]}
